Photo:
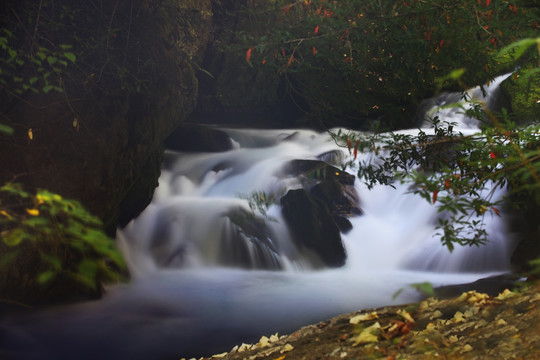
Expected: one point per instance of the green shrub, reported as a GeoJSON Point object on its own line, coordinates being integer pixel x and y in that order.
{"type": "Point", "coordinates": [69, 241]}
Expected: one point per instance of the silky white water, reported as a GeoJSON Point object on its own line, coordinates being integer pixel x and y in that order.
{"type": "Point", "coordinates": [191, 295]}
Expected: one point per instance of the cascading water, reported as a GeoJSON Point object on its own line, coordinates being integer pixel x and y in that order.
{"type": "Point", "coordinates": [202, 283]}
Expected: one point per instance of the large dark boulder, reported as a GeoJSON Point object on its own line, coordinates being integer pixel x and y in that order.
{"type": "Point", "coordinates": [99, 140]}
{"type": "Point", "coordinates": [313, 227]}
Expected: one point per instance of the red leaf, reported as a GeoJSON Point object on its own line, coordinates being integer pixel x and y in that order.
{"type": "Point", "coordinates": [355, 152]}
{"type": "Point", "coordinates": [447, 183]}
{"type": "Point", "coordinates": [248, 54]}
{"type": "Point", "coordinates": [349, 144]}
{"type": "Point", "coordinates": [314, 49]}
{"type": "Point", "coordinates": [264, 61]}
{"type": "Point", "coordinates": [434, 196]}
{"type": "Point", "coordinates": [492, 155]}
{"type": "Point", "coordinates": [316, 31]}
{"type": "Point", "coordinates": [496, 211]}
{"type": "Point", "coordinates": [488, 2]}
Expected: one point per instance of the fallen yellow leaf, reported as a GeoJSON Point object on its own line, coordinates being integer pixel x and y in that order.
{"type": "Point", "coordinates": [286, 348]}
{"type": "Point", "coordinates": [405, 315]}
{"type": "Point", "coordinates": [363, 317]}
{"type": "Point", "coordinates": [33, 212]}
{"type": "Point", "coordinates": [368, 335]}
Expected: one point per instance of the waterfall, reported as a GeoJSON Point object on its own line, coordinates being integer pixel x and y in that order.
{"type": "Point", "coordinates": [210, 270]}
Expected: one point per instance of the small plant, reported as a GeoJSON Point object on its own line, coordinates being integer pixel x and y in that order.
{"type": "Point", "coordinates": [38, 71]}
{"type": "Point", "coordinates": [260, 201]}
{"type": "Point", "coordinates": [70, 241]}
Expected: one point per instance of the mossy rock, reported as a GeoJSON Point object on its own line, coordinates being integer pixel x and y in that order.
{"type": "Point", "coordinates": [524, 93]}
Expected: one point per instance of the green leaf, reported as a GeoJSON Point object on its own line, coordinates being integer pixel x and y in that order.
{"type": "Point", "coordinates": [14, 237]}
{"type": "Point", "coordinates": [70, 56]}
{"type": "Point", "coordinates": [65, 46]}
{"type": "Point", "coordinates": [51, 60]}
{"type": "Point", "coordinates": [526, 74]}
{"type": "Point", "coordinates": [425, 288]}
{"type": "Point", "coordinates": [46, 277]}
{"type": "Point", "coordinates": [47, 88]}
{"type": "Point", "coordinates": [6, 129]}
{"type": "Point", "coordinates": [516, 49]}
{"type": "Point", "coordinates": [87, 271]}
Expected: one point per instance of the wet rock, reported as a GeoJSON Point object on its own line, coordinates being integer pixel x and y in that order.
{"type": "Point", "coordinates": [332, 157]}
{"type": "Point", "coordinates": [343, 223]}
{"type": "Point", "coordinates": [315, 171]}
{"type": "Point", "coordinates": [313, 227]}
{"type": "Point", "coordinates": [338, 199]}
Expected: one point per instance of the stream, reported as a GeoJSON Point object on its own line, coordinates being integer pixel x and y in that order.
{"type": "Point", "coordinates": [200, 286]}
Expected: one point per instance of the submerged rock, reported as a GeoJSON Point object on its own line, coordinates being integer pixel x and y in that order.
{"type": "Point", "coordinates": [248, 243]}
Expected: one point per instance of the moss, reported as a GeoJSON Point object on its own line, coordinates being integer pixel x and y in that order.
{"type": "Point", "coordinates": [524, 94]}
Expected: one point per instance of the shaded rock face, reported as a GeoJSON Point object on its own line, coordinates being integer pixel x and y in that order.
{"type": "Point", "coordinates": [100, 141]}
{"type": "Point", "coordinates": [231, 91]}
{"type": "Point", "coordinates": [198, 138]}
{"type": "Point", "coordinates": [312, 226]}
